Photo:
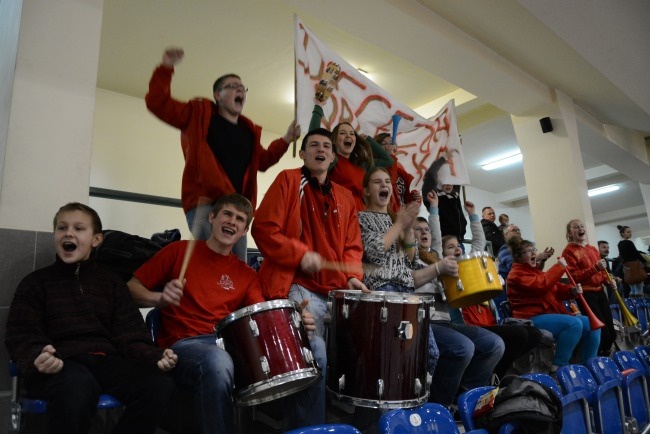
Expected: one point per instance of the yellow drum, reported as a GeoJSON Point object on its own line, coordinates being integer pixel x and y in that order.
{"type": "Point", "coordinates": [477, 281]}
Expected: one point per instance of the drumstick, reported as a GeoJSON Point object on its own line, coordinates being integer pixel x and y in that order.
{"type": "Point", "coordinates": [186, 259]}
{"type": "Point", "coordinates": [190, 245]}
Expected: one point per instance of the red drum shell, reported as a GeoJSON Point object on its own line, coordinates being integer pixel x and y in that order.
{"type": "Point", "coordinates": [283, 345]}
{"type": "Point", "coordinates": [363, 351]}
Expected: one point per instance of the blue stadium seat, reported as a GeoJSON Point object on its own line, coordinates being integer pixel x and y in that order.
{"type": "Point", "coordinates": [643, 355]}
{"type": "Point", "coordinates": [635, 386]}
{"type": "Point", "coordinates": [428, 418]}
{"type": "Point", "coordinates": [467, 403]}
{"type": "Point", "coordinates": [335, 428]}
{"type": "Point", "coordinates": [604, 400]}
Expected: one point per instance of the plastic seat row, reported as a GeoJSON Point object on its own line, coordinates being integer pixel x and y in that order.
{"type": "Point", "coordinates": [606, 396]}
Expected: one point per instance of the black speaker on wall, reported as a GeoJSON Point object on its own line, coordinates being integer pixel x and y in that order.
{"type": "Point", "coordinates": [546, 124]}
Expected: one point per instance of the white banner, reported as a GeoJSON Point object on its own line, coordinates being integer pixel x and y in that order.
{"type": "Point", "coordinates": [429, 149]}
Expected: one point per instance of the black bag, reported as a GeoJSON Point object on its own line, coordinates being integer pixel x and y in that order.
{"type": "Point", "coordinates": [534, 407]}
{"type": "Point", "coordinates": [122, 253]}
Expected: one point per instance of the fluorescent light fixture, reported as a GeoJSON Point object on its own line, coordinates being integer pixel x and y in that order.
{"type": "Point", "coordinates": [503, 161]}
{"type": "Point", "coordinates": [602, 190]}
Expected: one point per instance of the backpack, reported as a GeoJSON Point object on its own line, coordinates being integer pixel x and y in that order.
{"type": "Point", "coordinates": [122, 253]}
{"type": "Point", "coordinates": [533, 407]}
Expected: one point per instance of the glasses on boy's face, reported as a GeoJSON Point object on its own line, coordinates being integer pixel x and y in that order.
{"type": "Point", "coordinates": [530, 251]}
{"type": "Point", "coordinates": [235, 86]}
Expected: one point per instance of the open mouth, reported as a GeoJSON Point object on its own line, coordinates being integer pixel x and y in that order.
{"type": "Point", "coordinates": [383, 194]}
{"type": "Point", "coordinates": [239, 100]}
{"type": "Point", "coordinates": [69, 246]}
{"type": "Point", "coordinates": [347, 143]}
{"type": "Point", "coordinates": [320, 158]}
{"type": "Point", "coordinates": [228, 231]}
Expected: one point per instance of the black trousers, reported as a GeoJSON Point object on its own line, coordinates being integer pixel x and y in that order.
{"type": "Point", "coordinates": [518, 340]}
{"type": "Point", "coordinates": [599, 305]}
{"type": "Point", "coordinates": [72, 393]}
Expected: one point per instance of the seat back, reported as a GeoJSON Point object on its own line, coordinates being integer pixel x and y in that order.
{"type": "Point", "coordinates": [635, 386]}
{"type": "Point", "coordinates": [610, 413]}
{"type": "Point", "coordinates": [326, 428]}
{"type": "Point", "coordinates": [428, 418]}
{"type": "Point", "coordinates": [152, 320]}
{"type": "Point", "coordinates": [643, 355]}
{"type": "Point", "coordinates": [467, 403]}
{"type": "Point", "coordinates": [616, 312]}
{"type": "Point", "coordinates": [576, 418]}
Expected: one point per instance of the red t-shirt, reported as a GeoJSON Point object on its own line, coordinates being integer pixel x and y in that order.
{"type": "Point", "coordinates": [216, 285]}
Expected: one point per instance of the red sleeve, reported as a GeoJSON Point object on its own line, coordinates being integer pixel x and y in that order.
{"type": "Point", "coordinates": [160, 102]}
{"type": "Point", "coordinates": [581, 267]}
{"type": "Point", "coordinates": [269, 157]}
{"type": "Point", "coordinates": [274, 229]}
{"type": "Point", "coordinates": [353, 252]}
{"type": "Point", "coordinates": [163, 267]}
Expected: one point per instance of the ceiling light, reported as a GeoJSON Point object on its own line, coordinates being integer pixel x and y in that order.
{"type": "Point", "coordinates": [602, 190]}
{"type": "Point", "coordinates": [503, 161]}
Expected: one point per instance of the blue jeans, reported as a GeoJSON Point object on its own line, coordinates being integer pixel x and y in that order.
{"type": "Point", "coordinates": [468, 356]}
{"type": "Point", "coordinates": [317, 305]}
{"type": "Point", "coordinates": [568, 331]}
{"type": "Point", "coordinates": [202, 229]}
{"type": "Point", "coordinates": [209, 372]}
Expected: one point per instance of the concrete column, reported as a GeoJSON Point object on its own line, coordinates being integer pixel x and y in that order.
{"type": "Point", "coordinates": [555, 178]}
{"type": "Point", "coordinates": [47, 158]}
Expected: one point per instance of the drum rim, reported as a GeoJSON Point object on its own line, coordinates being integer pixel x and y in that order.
{"type": "Point", "coordinates": [473, 255]}
{"type": "Point", "coordinates": [253, 309]}
{"type": "Point", "coordinates": [382, 296]}
{"type": "Point", "coordinates": [311, 374]}
{"type": "Point", "coordinates": [377, 403]}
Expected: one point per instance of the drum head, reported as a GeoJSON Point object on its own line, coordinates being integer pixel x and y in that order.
{"type": "Point", "coordinates": [254, 308]}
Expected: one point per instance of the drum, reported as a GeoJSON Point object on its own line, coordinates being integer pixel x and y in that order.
{"type": "Point", "coordinates": [377, 349]}
{"type": "Point", "coordinates": [269, 349]}
{"type": "Point", "coordinates": [477, 281]}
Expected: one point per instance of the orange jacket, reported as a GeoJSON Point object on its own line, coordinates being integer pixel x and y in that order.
{"type": "Point", "coordinates": [204, 179]}
{"type": "Point", "coordinates": [581, 263]}
{"type": "Point", "coordinates": [533, 292]}
{"type": "Point", "coordinates": [277, 232]}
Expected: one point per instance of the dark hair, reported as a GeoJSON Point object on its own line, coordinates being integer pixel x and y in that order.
{"type": "Point", "coordinates": [602, 242]}
{"type": "Point", "coordinates": [445, 239]}
{"type": "Point", "coordinates": [503, 217]}
{"type": "Point", "coordinates": [381, 136]}
{"type": "Point", "coordinates": [317, 132]}
{"type": "Point", "coordinates": [422, 219]}
{"type": "Point", "coordinates": [517, 245]}
{"type": "Point", "coordinates": [76, 206]}
{"type": "Point", "coordinates": [218, 84]}
{"type": "Point", "coordinates": [487, 207]}
{"type": "Point", "coordinates": [621, 229]}
{"type": "Point", "coordinates": [238, 201]}
{"type": "Point", "coordinates": [362, 153]}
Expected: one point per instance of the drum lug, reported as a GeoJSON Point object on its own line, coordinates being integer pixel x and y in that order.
{"type": "Point", "coordinates": [345, 310]}
{"type": "Point", "coordinates": [421, 314]}
{"type": "Point", "coordinates": [253, 326]}
{"type": "Point", "coordinates": [459, 285]}
{"type": "Point", "coordinates": [429, 380]}
{"type": "Point", "coordinates": [295, 319]}
{"type": "Point", "coordinates": [432, 311]}
{"type": "Point", "coordinates": [405, 330]}
{"type": "Point", "coordinates": [220, 343]}
{"type": "Point", "coordinates": [489, 276]}
{"type": "Point", "coordinates": [307, 355]}
{"type": "Point", "coordinates": [383, 315]}
{"type": "Point", "coordinates": [341, 383]}
{"type": "Point", "coordinates": [418, 386]}
{"type": "Point", "coordinates": [484, 262]}
{"type": "Point", "coordinates": [380, 387]}
{"type": "Point", "coordinates": [264, 364]}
